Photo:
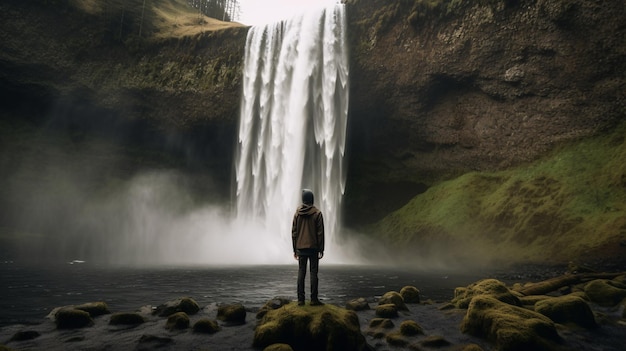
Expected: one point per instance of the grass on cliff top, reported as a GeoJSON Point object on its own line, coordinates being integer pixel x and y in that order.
{"type": "Point", "coordinates": [162, 18]}
{"type": "Point", "coordinates": [556, 208]}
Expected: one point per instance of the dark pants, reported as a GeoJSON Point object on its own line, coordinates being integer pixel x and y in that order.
{"type": "Point", "coordinates": [302, 262]}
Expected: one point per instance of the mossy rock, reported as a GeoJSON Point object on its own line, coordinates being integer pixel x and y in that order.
{"type": "Point", "coordinates": [566, 310]}
{"type": "Point", "coordinates": [486, 287]}
{"type": "Point", "coordinates": [410, 328]}
{"type": "Point", "coordinates": [326, 327]}
{"type": "Point", "coordinates": [531, 300]}
{"type": "Point", "coordinates": [393, 297]}
{"type": "Point", "coordinates": [234, 314]}
{"type": "Point", "coordinates": [25, 335]}
{"type": "Point", "coordinates": [379, 327]}
{"type": "Point", "coordinates": [177, 321]}
{"type": "Point", "coordinates": [359, 304]}
{"type": "Point", "coordinates": [183, 304]}
{"type": "Point", "coordinates": [272, 304]}
{"type": "Point", "coordinates": [278, 347]}
{"type": "Point", "coordinates": [71, 318]}
{"type": "Point", "coordinates": [509, 327]}
{"type": "Point", "coordinates": [206, 326]}
{"type": "Point", "coordinates": [126, 318]}
{"type": "Point", "coordinates": [470, 347]}
{"type": "Point", "coordinates": [605, 292]}
{"type": "Point", "coordinates": [410, 294]}
{"type": "Point", "coordinates": [435, 341]}
{"type": "Point", "coordinates": [387, 311]}
{"type": "Point", "coordinates": [396, 339]}
{"type": "Point", "coordinates": [94, 309]}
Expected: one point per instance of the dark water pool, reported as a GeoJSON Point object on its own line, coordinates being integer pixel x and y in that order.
{"type": "Point", "coordinates": [28, 294]}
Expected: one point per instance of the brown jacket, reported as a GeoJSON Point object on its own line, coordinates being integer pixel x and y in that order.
{"type": "Point", "coordinates": [307, 231]}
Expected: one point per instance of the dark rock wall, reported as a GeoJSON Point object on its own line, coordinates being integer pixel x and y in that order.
{"type": "Point", "coordinates": [442, 88]}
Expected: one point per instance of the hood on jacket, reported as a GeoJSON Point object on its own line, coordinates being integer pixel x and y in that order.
{"type": "Point", "coordinates": [307, 210]}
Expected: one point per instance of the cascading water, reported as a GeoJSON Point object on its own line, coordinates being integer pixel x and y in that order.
{"type": "Point", "coordinates": [293, 121]}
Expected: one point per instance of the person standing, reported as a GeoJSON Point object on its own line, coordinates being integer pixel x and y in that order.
{"type": "Point", "coordinates": [307, 236]}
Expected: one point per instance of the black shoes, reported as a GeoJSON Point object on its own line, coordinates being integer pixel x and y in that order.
{"type": "Point", "coordinates": [316, 303]}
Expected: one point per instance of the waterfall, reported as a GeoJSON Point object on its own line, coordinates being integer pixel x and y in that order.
{"type": "Point", "coordinates": [293, 119]}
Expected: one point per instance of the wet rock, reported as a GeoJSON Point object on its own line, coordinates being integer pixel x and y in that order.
{"type": "Point", "coordinates": [234, 314]}
{"type": "Point", "coordinates": [177, 321]}
{"type": "Point", "coordinates": [184, 304]}
{"type": "Point", "coordinates": [152, 342]}
{"type": "Point", "coordinates": [435, 341]}
{"type": "Point", "coordinates": [605, 292]}
{"type": "Point", "coordinates": [278, 347]}
{"type": "Point", "coordinates": [485, 287]}
{"type": "Point", "coordinates": [471, 347]}
{"type": "Point", "coordinates": [410, 294]}
{"type": "Point", "coordinates": [393, 297]}
{"type": "Point", "coordinates": [396, 339]}
{"type": "Point", "coordinates": [410, 328]}
{"type": "Point", "coordinates": [379, 327]}
{"type": "Point", "coordinates": [326, 327]}
{"type": "Point", "coordinates": [509, 327]}
{"type": "Point", "coordinates": [94, 309]}
{"type": "Point", "coordinates": [567, 309]}
{"type": "Point", "coordinates": [206, 326]}
{"type": "Point", "coordinates": [126, 318]}
{"type": "Point", "coordinates": [25, 335]}
{"type": "Point", "coordinates": [359, 304]}
{"type": "Point", "coordinates": [387, 311]}
{"type": "Point", "coordinates": [71, 318]}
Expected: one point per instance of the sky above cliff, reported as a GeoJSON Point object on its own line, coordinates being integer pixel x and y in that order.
{"type": "Point", "coordinates": [255, 12]}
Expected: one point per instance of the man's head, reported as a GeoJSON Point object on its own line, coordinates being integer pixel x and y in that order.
{"type": "Point", "coordinates": [307, 197]}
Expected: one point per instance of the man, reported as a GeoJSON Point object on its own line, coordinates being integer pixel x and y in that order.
{"type": "Point", "coordinates": [307, 236]}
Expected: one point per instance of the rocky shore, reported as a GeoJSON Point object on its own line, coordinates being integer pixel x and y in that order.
{"type": "Point", "coordinates": [580, 310]}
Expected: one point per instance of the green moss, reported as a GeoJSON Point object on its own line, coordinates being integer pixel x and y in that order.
{"type": "Point", "coordinates": [559, 206]}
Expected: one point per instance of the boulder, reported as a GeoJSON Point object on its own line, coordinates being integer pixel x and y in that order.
{"type": "Point", "coordinates": [177, 321]}
{"type": "Point", "coordinates": [126, 318]}
{"type": "Point", "coordinates": [379, 327]}
{"type": "Point", "coordinates": [326, 327]}
{"type": "Point", "coordinates": [435, 341]}
{"type": "Point", "coordinates": [410, 328]}
{"type": "Point", "coordinates": [509, 327]}
{"type": "Point", "coordinates": [272, 304]}
{"type": "Point", "coordinates": [393, 297]}
{"type": "Point", "coordinates": [94, 309]}
{"type": "Point", "coordinates": [387, 311]}
{"type": "Point", "coordinates": [606, 292]}
{"type": "Point", "coordinates": [71, 318]}
{"type": "Point", "coordinates": [410, 294]}
{"type": "Point", "coordinates": [183, 304]}
{"type": "Point", "coordinates": [278, 347]}
{"type": "Point", "coordinates": [25, 335]}
{"type": "Point", "coordinates": [206, 326]}
{"type": "Point", "coordinates": [359, 304]}
{"type": "Point", "coordinates": [486, 287]}
{"type": "Point", "coordinates": [567, 309]}
{"type": "Point", "coordinates": [234, 314]}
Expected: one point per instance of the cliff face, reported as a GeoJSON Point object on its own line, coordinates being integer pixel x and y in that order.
{"type": "Point", "coordinates": [443, 88]}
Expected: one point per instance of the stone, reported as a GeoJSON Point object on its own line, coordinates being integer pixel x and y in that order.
{"type": "Point", "coordinates": [435, 341]}
{"type": "Point", "coordinates": [177, 321]}
{"type": "Point", "coordinates": [25, 335]}
{"type": "Point", "coordinates": [566, 310]}
{"type": "Point", "coordinates": [605, 292]}
{"type": "Point", "coordinates": [509, 327]}
{"type": "Point", "coordinates": [410, 294]}
{"type": "Point", "coordinates": [126, 318]}
{"type": "Point", "coordinates": [234, 314]}
{"type": "Point", "coordinates": [393, 297]}
{"type": "Point", "coordinates": [359, 304]}
{"type": "Point", "coordinates": [94, 309]}
{"type": "Point", "coordinates": [488, 287]}
{"type": "Point", "coordinates": [183, 304]}
{"type": "Point", "coordinates": [387, 311]}
{"type": "Point", "coordinates": [206, 326]}
{"type": "Point", "coordinates": [71, 318]}
{"type": "Point", "coordinates": [278, 347]}
{"type": "Point", "coordinates": [326, 327]}
{"type": "Point", "coordinates": [410, 328]}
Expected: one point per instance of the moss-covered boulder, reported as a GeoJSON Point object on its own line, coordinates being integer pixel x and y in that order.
{"type": "Point", "coordinates": [206, 326]}
{"type": "Point", "coordinates": [486, 287]}
{"type": "Point", "coordinates": [567, 310]}
{"type": "Point", "coordinates": [278, 347]}
{"type": "Point", "coordinates": [606, 292]}
{"type": "Point", "coordinates": [326, 327]}
{"type": "Point", "coordinates": [24, 335]}
{"type": "Point", "coordinates": [359, 304]}
{"type": "Point", "coordinates": [388, 310]}
{"type": "Point", "coordinates": [94, 309]}
{"type": "Point", "coordinates": [272, 304]}
{"type": "Point", "coordinates": [410, 328]}
{"type": "Point", "coordinates": [379, 327]}
{"type": "Point", "coordinates": [71, 318]}
{"type": "Point", "coordinates": [177, 321]}
{"type": "Point", "coordinates": [509, 327]}
{"type": "Point", "coordinates": [126, 318]}
{"type": "Point", "coordinates": [435, 341]}
{"type": "Point", "coordinates": [233, 314]}
{"type": "Point", "coordinates": [410, 294]}
{"type": "Point", "coordinates": [393, 297]}
{"type": "Point", "coordinates": [183, 304]}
